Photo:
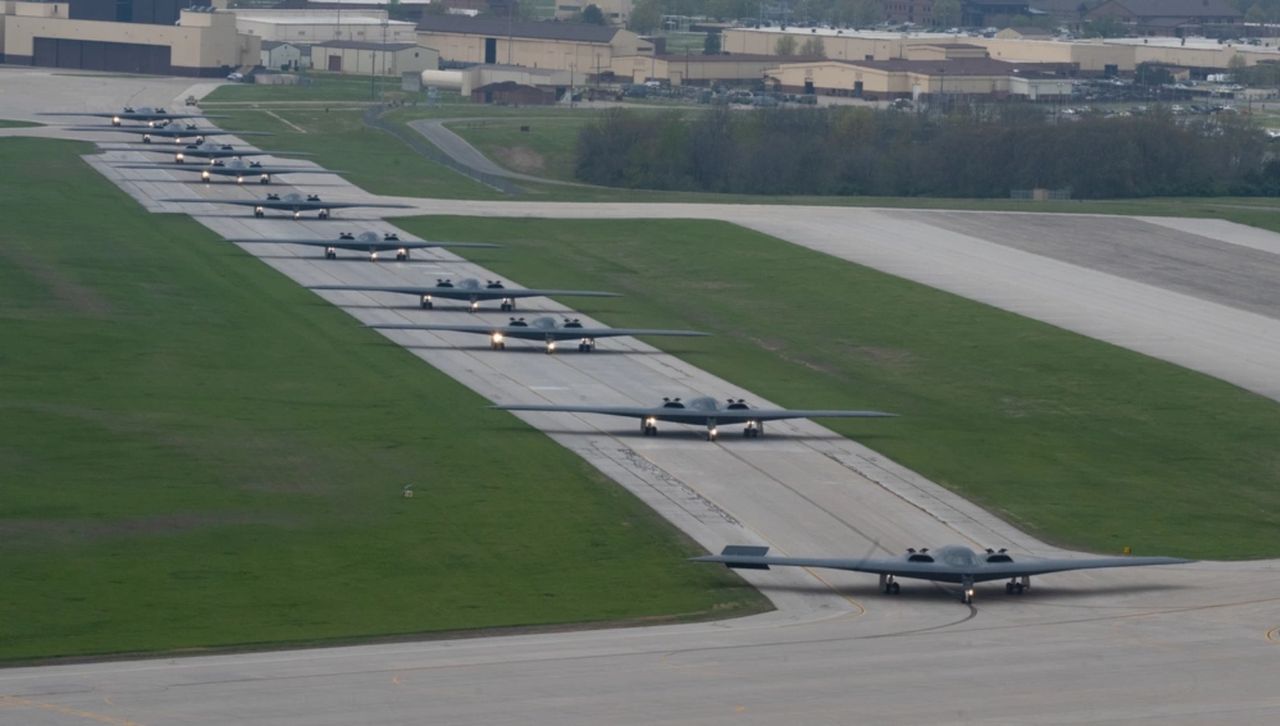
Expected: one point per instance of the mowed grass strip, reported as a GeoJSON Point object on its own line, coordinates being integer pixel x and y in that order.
{"type": "Point", "coordinates": [196, 452]}
{"type": "Point", "coordinates": [1077, 441]}
{"type": "Point", "coordinates": [373, 160]}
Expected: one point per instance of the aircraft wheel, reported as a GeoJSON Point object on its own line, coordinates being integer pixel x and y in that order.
{"type": "Point", "coordinates": [401, 257]}
{"type": "Point", "coordinates": [505, 307]}
{"type": "Point", "coordinates": [426, 304]}
{"type": "Point", "coordinates": [1018, 588]}
{"type": "Point", "coordinates": [895, 588]}
{"type": "Point", "coordinates": [331, 255]}
{"type": "Point", "coordinates": [1008, 588]}
{"type": "Point", "coordinates": [258, 214]}
{"type": "Point", "coordinates": [146, 140]}
{"type": "Point", "coordinates": [324, 214]}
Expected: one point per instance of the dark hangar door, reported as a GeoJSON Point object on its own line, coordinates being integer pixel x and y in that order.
{"type": "Point", "coordinates": [490, 50]}
{"type": "Point", "coordinates": [93, 55]}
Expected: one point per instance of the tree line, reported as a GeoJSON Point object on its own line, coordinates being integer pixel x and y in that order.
{"type": "Point", "coordinates": [975, 153]}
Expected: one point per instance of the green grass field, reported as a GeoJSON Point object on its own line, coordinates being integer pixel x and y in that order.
{"type": "Point", "coordinates": [1080, 442]}
{"type": "Point", "coordinates": [196, 452]}
{"type": "Point", "coordinates": [318, 87]}
{"type": "Point", "coordinates": [11, 124]}
{"type": "Point", "coordinates": [547, 149]}
{"type": "Point", "coordinates": [372, 159]}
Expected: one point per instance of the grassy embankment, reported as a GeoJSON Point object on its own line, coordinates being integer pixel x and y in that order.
{"type": "Point", "coordinates": [11, 124]}
{"type": "Point", "coordinates": [1078, 441]}
{"type": "Point", "coordinates": [196, 452]}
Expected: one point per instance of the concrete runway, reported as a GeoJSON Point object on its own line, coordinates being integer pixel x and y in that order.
{"type": "Point", "coordinates": [1187, 644]}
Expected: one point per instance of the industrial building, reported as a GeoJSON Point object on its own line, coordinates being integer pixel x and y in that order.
{"type": "Point", "coordinates": [585, 49]}
{"type": "Point", "coordinates": [279, 55]}
{"type": "Point", "coordinates": [162, 37]}
{"type": "Point", "coordinates": [366, 59]}
{"type": "Point", "coordinates": [1167, 17]}
{"type": "Point", "coordinates": [929, 70]}
{"type": "Point", "coordinates": [319, 26]}
{"type": "Point", "coordinates": [1092, 57]}
{"type": "Point", "coordinates": [696, 69]}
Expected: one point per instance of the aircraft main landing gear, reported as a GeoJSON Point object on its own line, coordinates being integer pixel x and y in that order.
{"type": "Point", "coordinates": [889, 586]}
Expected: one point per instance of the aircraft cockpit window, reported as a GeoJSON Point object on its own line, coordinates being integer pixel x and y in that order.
{"type": "Point", "coordinates": [959, 557]}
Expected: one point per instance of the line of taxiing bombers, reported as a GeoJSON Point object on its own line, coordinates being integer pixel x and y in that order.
{"type": "Point", "coordinates": [954, 564]}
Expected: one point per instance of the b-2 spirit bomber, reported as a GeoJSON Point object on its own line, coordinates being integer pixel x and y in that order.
{"type": "Point", "coordinates": [238, 168]}
{"type": "Point", "coordinates": [952, 564]}
{"type": "Point", "coordinates": [291, 202]}
{"type": "Point", "coordinates": [470, 290]}
{"type": "Point", "coordinates": [546, 330]}
{"type": "Point", "coordinates": [700, 411]}
{"type": "Point", "coordinates": [370, 242]}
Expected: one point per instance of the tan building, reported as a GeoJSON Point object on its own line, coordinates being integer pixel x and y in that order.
{"type": "Point", "coordinates": [585, 49]}
{"type": "Point", "coordinates": [882, 80]}
{"type": "Point", "coordinates": [372, 59]}
{"type": "Point", "coordinates": [697, 69]}
{"type": "Point", "coordinates": [203, 43]}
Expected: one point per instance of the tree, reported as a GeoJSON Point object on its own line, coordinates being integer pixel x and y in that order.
{"type": "Point", "coordinates": [786, 46]}
{"type": "Point", "coordinates": [592, 14]}
{"type": "Point", "coordinates": [946, 13]}
{"type": "Point", "coordinates": [646, 15]}
{"type": "Point", "coordinates": [711, 45]}
{"type": "Point", "coordinates": [812, 47]}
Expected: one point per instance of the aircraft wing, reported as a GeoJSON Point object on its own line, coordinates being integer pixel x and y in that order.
{"type": "Point", "coordinates": [778, 414]}
{"type": "Point", "coordinates": [631, 411]}
{"type": "Point", "coordinates": [344, 205]}
{"type": "Point", "coordinates": [164, 131]}
{"type": "Point", "coordinates": [483, 293]}
{"type": "Point", "coordinates": [236, 202]}
{"type": "Point", "coordinates": [1037, 566]}
{"type": "Point", "coordinates": [570, 333]}
{"type": "Point", "coordinates": [755, 558]}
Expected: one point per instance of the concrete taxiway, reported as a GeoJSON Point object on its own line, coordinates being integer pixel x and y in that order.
{"type": "Point", "coordinates": [1185, 644]}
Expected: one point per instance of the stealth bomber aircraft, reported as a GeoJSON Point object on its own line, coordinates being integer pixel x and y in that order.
{"type": "Point", "coordinates": [471, 291]}
{"type": "Point", "coordinates": [370, 242]}
{"type": "Point", "coordinates": [237, 168]}
{"type": "Point", "coordinates": [292, 202]}
{"type": "Point", "coordinates": [144, 114]}
{"type": "Point", "coordinates": [953, 563]}
{"type": "Point", "coordinates": [547, 330]}
{"type": "Point", "coordinates": [179, 133]}
{"type": "Point", "coordinates": [701, 411]}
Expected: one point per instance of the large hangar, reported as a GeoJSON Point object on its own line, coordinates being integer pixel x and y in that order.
{"type": "Point", "coordinates": [586, 49]}
{"type": "Point", "coordinates": [161, 37]}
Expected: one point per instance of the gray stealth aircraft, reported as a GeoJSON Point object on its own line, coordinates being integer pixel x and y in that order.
{"type": "Point", "coordinates": [175, 131]}
{"type": "Point", "coordinates": [370, 242]}
{"type": "Point", "coordinates": [211, 151]}
{"type": "Point", "coordinates": [953, 563]}
{"type": "Point", "coordinates": [470, 290]}
{"type": "Point", "coordinates": [545, 329]}
{"type": "Point", "coordinates": [701, 411]}
{"type": "Point", "coordinates": [292, 202]}
{"type": "Point", "coordinates": [238, 168]}
{"type": "Point", "coordinates": [141, 113]}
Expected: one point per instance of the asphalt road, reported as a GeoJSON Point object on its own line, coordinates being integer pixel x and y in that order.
{"type": "Point", "coordinates": [1188, 644]}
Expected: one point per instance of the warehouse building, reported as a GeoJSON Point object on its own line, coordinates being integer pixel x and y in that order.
{"type": "Point", "coordinates": [586, 49]}
{"type": "Point", "coordinates": [161, 37]}
{"type": "Point", "coordinates": [367, 59]}
{"type": "Point", "coordinates": [695, 69]}
{"type": "Point", "coordinates": [279, 55]}
{"type": "Point", "coordinates": [319, 26]}
{"type": "Point", "coordinates": [900, 78]}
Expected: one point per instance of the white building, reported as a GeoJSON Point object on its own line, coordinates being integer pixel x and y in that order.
{"type": "Point", "coordinates": [319, 26]}
{"type": "Point", "coordinates": [281, 55]}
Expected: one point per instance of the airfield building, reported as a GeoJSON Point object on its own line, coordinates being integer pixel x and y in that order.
{"type": "Point", "coordinates": [163, 37]}
{"type": "Point", "coordinates": [319, 26]}
{"type": "Point", "coordinates": [586, 49]}
{"type": "Point", "coordinates": [382, 59]}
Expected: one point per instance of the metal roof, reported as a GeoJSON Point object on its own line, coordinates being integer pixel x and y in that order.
{"type": "Point", "coordinates": [501, 28]}
{"type": "Point", "coordinates": [364, 45]}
